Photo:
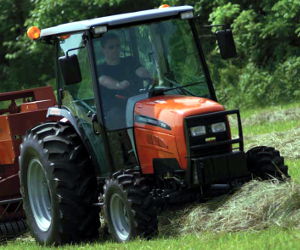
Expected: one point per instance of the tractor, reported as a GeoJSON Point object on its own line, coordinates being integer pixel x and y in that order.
{"type": "Point", "coordinates": [136, 127]}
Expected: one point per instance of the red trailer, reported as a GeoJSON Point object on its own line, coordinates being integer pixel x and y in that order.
{"type": "Point", "coordinates": [19, 111]}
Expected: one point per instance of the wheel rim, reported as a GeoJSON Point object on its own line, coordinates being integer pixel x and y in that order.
{"type": "Point", "coordinates": [119, 217]}
{"type": "Point", "coordinates": [39, 195]}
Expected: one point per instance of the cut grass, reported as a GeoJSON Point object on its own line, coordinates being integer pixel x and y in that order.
{"type": "Point", "coordinates": [287, 142]}
{"type": "Point", "coordinates": [270, 121]}
{"type": "Point", "coordinates": [256, 206]}
{"type": "Point", "coordinates": [271, 116]}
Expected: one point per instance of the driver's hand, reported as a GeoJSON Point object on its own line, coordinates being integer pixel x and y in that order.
{"type": "Point", "coordinates": [123, 84]}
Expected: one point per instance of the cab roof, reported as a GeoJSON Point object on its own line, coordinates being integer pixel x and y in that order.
{"type": "Point", "coordinates": [114, 20]}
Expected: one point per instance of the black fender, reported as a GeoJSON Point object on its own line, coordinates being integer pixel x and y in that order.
{"type": "Point", "coordinates": [67, 117]}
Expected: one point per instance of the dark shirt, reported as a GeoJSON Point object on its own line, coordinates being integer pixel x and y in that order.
{"type": "Point", "coordinates": [125, 70]}
{"type": "Point", "coordinates": [114, 100]}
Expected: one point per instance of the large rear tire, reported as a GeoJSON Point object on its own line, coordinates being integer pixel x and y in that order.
{"type": "Point", "coordinates": [128, 206]}
{"type": "Point", "coordinates": [266, 163]}
{"type": "Point", "coordinates": [58, 186]}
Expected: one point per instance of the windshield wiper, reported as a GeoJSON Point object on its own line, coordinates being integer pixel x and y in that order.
{"type": "Point", "coordinates": [153, 91]}
{"type": "Point", "coordinates": [178, 86]}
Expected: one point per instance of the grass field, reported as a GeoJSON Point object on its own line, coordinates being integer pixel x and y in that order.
{"type": "Point", "coordinates": [273, 222]}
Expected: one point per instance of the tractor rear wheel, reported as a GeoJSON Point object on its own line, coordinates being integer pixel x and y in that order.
{"type": "Point", "coordinates": [58, 186]}
{"type": "Point", "coordinates": [128, 206]}
{"type": "Point", "coordinates": [266, 163]}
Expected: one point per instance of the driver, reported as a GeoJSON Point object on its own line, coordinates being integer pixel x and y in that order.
{"type": "Point", "coordinates": [120, 78]}
{"type": "Point", "coordinates": [119, 73]}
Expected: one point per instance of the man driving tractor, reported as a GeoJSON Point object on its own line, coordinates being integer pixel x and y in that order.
{"type": "Point", "coordinates": [121, 77]}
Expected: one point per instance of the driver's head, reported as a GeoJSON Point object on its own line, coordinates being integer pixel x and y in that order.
{"type": "Point", "coordinates": [110, 43]}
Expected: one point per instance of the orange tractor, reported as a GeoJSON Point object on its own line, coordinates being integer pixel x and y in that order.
{"type": "Point", "coordinates": [136, 127]}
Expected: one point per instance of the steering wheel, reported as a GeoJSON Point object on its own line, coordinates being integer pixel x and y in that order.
{"type": "Point", "coordinates": [122, 97]}
{"type": "Point", "coordinates": [151, 82]}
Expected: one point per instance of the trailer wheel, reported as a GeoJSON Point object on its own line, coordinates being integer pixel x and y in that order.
{"type": "Point", "coordinates": [58, 186]}
{"type": "Point", "coordinates": [128, 207]}
{"type": "Point", "coordinates": [266, 163]}
{"type": "Point", "coordinates": [12, 229]}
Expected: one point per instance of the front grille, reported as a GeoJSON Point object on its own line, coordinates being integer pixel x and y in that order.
{"type": "Point", "coordinates": [210, 143]}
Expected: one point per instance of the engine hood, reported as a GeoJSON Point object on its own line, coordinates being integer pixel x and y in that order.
{"type": "Point", "coordinates": [166, 113]}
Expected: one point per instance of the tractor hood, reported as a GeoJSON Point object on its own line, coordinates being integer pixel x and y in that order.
{"type": "Point", "coordinates": [166, 113]}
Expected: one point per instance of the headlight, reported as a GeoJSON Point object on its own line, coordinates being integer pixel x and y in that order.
{"type": "Point", "coordinates": [218, 127]}
{"type": "Point", "coordinates": [197, 131]}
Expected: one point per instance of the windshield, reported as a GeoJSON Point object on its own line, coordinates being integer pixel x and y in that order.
{"type": "Point", "coordinates": [158, 57]}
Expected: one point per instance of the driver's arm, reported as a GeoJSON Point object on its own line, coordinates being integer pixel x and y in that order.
{"type": "Point", "coordinates": [112, 83]}
{"type": "Point", "coordinates": [142, 72]}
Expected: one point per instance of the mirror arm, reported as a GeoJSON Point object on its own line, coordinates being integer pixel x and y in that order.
{"type": "Point", "coordinates": [224, 26]}
{"type": "Point", "coordinates": [67, 52]}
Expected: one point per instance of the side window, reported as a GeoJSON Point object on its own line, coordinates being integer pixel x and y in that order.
{"type": "Point", "coordinates": [79, 94]}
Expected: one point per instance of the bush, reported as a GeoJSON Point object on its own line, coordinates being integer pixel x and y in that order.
{"type": "Point", "coordinates": [253, 86]}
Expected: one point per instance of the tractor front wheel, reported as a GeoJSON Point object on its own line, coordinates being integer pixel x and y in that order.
{"type": "Point", "coordinates": [128, 206]}
{"type": "Point", "coordinates": [58, 186]}
{"type": "Point", "coordinates": [266, 163]}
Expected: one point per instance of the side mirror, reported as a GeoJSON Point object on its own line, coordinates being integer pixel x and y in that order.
{"type": "Point", "coordinates": [226, 43]}
{"type": "Point", "coordinates": [70, 69]}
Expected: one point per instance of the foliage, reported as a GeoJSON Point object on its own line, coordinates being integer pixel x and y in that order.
{"type": "Point", "coordinates": [224, 14]}
{"type": "Point", "coordinates": [26, 64]}
{"type": "Point", "coordinates": [267, 39]}
{"type": "Point", "coordinates": [267, 35]}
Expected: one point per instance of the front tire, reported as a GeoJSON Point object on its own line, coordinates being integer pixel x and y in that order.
{"type": "Point", "coordinates": [266, 163]}
{"type": "Point", "coordinates": [128, 206]}
{"type": "Point", "coordinates": [58, 186]}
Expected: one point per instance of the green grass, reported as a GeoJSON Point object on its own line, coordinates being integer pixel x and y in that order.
{"type": "Point", "coordinates": [272, 238]}
{"type": "Point", "coordinates": [274, 109]}
{"type": "Point", "coordinates": [294, 169]}
{"type": "Point", "coordinates": [277, 126]}
{"type": "Point", "coordinates": [275, 119]}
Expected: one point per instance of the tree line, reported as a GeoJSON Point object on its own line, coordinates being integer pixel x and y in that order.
{"type": "Point", "coordinates": [266, 33]}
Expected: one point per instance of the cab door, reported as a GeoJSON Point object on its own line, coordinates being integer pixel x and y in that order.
{"type": "Point", "coordinates": [79, 100]}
